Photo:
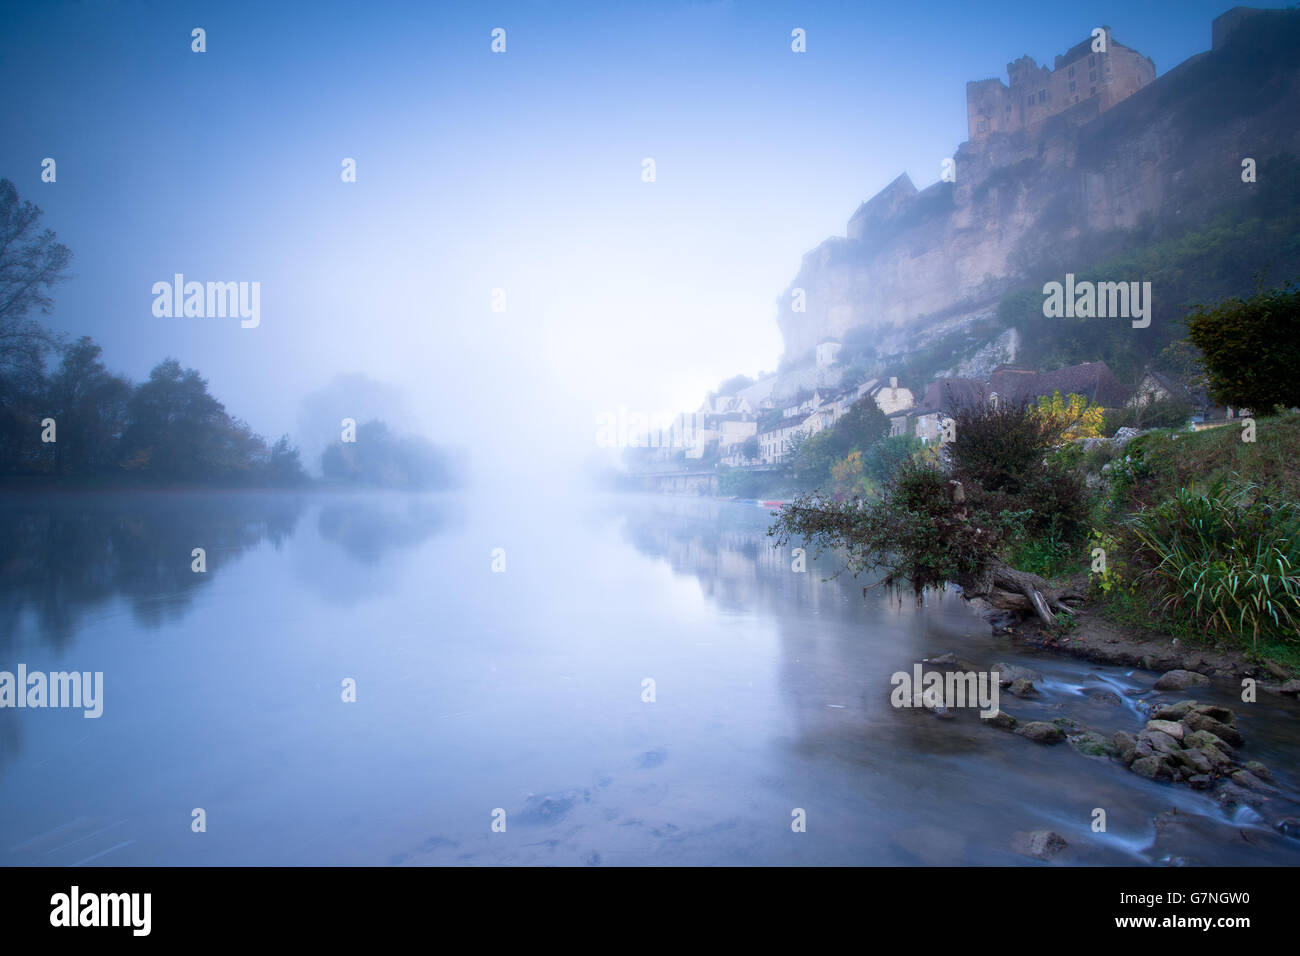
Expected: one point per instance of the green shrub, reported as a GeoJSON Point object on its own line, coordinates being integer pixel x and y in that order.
{"type": "Point", "coordinates": [1227, 560]}
{"type": "Point", "coordinates": [1252, 349]}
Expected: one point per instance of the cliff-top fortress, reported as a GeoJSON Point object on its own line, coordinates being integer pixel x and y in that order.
{"type": "Point", "coordinates": [1082, 85]}
{"type": "Point", "coordinates": [1059, 164]}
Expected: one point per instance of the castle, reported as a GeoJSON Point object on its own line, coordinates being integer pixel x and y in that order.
{"type": "Point", "coordinates": [1082, 84]}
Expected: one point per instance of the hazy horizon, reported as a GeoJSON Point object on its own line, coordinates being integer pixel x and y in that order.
{"type": "Point", "coordinates": [479, 171]}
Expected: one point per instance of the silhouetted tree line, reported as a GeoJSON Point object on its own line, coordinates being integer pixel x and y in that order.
{"type": "Point", "coordinates": [169, 428]}
{"type": "Point", "coordinates": [80, 420]}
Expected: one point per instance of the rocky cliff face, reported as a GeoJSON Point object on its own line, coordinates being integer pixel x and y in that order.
{"type": "Point", "coordinates": [917, 263]}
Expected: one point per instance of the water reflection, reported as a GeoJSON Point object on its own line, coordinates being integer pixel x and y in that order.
{"type": "Point", "coordinates": [64, 555]}
{"type": "Point", "coordinates": [905, 787]}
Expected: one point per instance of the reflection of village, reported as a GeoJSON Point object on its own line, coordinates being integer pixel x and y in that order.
{"type": "Point", "coordinates": [837, 644]}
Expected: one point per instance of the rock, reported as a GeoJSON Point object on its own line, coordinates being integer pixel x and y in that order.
{"type": "Point", "coordinates": [1219, 729]}
{"type": "Point", "coordinates": [942, 659]}
{"type": "Point", "coordinates": [1195, 760]}
{"type": "Point", "coordinates": [944, 713]}
{"type": "Point", "coordinates": [1009, 673]}
{"type": "Point", "coordinates": [1092, 745]}
{"type": "Point", "coordinates": [1001, 719]}
{"type": "Point", "coordinates": [1277, 670]}
{"type": "Point", "coordinates": [1244, 778]}
{"type": "Point", "coordinates": [1230, 795]}
{"type": "Point", "coordinates": [1222, 714]}
{"type": "Point", "coordinates": [1289, 826]}
{"type": "Point", "coordinates": [1040, 844]}
{"type": "Point", "coordinates": [1160, 742]}
{"type": "Point", "coordinates": [1199, 781]}
{"type": "Point", "coordinates": [1173, 711]}
{"type": "Point", "coordinates": [1153, 768]}
{"type": "Point", "coordinates": [1206, 741]}
{"type": "Point", "coordinates": [1023, 687]}
{"type": "Point", "coordinates": [1166, 727]}
{"type": "Point", "coordinates": [1041, 732]}
{"type": "Point", "coordinates": [1123, 436]}
{"type": "Point", "coordinates": [1180, 680]}
{"type": "Point", "coordinates": [1291, 687]}
{"type": "Point", "coordinates": [1259, 770]}
{"type": "Point", "coordinates": [1125, 745]}
{"type": "Point", "coordinates": [1105, 697]}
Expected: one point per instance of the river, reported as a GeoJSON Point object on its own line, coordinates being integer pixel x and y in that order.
{"type": "Point", "coordinates": [623, 680]}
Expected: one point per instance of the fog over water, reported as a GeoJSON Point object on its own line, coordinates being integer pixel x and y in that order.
{"type": "Point", "coordinates": [523, 690]}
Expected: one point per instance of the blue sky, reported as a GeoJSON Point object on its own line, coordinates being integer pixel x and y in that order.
{"type": "Point", "coordinates": [477, 171]}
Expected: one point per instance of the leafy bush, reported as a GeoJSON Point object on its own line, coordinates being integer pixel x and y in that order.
{"type": "Point", "coordinates": [1251, 348]}
{"type": "Point", "coordinates": [912, 532]}
{"type": "Point", "coordinates": [1227, 560]}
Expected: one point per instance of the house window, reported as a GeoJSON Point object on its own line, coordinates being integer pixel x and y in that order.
{"type": "Point", "coordinates": [1072, 86]}
{"type": "Point", "coordinates": [1093, 91]}
{"type": "Point", "coordinates": [1092, 60]}
{"type": "Point", "coordinates": [1092, 76]}
{"type": "Point", "coordinates": [1072, 71]}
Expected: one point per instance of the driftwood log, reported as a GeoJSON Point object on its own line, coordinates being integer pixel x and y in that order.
{"type": "Point", "coordinates": [1007, 589]}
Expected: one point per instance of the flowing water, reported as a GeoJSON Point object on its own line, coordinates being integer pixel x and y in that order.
{"type": "Point", "coordinates": [521, 695]}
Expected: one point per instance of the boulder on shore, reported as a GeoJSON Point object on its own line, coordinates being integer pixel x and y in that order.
{"type": "Point", "coordinates": [1041, 732]}
{"type": "Point", "coordinates": [1180, 680]}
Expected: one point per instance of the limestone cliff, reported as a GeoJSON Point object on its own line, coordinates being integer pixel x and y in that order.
{"type": "Point", "coordinates": [1056, 194]}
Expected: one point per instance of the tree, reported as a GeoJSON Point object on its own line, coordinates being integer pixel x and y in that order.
{"type": "Point", "coordinates": [90, 405]}
{"type": "Point", "coordinates": [749, 448]}
{"type": "Point", "coordinates": [861, 426]}
{"type": "Point", "coordinates": [923, 530]}
{"type": "Point", "coordinates": [1251, 349]}
{"type": "Point", "coordinates": [1070, 417]}
{"type": "Point", "coordinates": [885, 456]}
{"type": "Point", "coordinates": [176, 428]}
{"type": "Point", "coordinates": [380, 458]}
{"type": "Point", "coordinates": [937, 523]}
{"type": "Point", "coordinates": [31, 262]}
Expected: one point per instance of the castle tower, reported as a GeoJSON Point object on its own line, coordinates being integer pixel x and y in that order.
{"type": "Point", "coordinates": [1082, 76]}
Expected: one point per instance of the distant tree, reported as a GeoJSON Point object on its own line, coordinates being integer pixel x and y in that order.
{"type": "Point", "coordinates": [90, 406]}
{"type": "Point", "coordinates": [883, 458]}
{"type": "Point", "coordinates": [380, 458]}
{"type": "Point", "coordinates": [176, 429]}
{"type": "Point", "coordinates": [861, 426]}
{"type": "Point", "coordinates": [1251, 349]}
{"type": "Point", "coordinates": [749, 448]}
{"type": "Point", "coordinates": [31, 262]}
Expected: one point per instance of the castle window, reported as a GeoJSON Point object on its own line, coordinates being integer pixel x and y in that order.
{"type": "Point", "coordinates": [1093, 91]}
{"type": "Point", "coordinates": [1072, 71]}
{"type": "Point", "coordinates": [1076, 97]}
{"type": "Point", "coordinates": [1092, 76]}
{"type": "Point", "coordinates": [1072, 86]}
{"type": "Point", "coordinates": [1092, 60]}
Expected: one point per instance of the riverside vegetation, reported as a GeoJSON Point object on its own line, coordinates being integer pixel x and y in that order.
{"type": "Point", "coordinates": [1187, 535]}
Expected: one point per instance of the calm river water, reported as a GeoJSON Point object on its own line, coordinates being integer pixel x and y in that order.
{"type": "Point", "coordinates": [523, 690]}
